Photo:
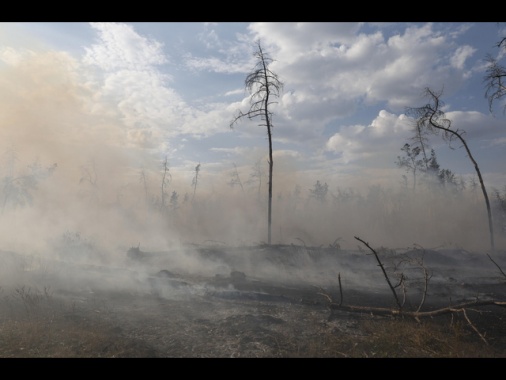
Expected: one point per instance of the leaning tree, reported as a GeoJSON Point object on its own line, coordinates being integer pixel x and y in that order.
{"type": "Point", "coordinates": [263, 85]}
{"type": "Point", "coordinates": [432, 119]}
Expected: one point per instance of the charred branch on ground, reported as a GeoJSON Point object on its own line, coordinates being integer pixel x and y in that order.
{"type": "Point", "coordinates": [418, 313]}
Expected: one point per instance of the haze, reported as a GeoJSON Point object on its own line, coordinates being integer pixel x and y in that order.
{"type": "Point", "coordinates": [106, 187]}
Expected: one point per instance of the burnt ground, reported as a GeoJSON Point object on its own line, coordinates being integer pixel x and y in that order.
{"type": "Point", "coordinates": [267, 301]}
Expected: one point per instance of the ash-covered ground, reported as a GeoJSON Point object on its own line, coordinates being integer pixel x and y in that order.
{"type": "Point", "coordinates": [222, 301]}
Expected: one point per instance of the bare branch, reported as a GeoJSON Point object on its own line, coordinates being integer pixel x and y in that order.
{"type": "Point", "coordinates": [497, 265]}
{"type": "Point", "coordinates": [473, 327]}
{"type": "Point", "coordinates": [340, 289]}
{"type": "Point", "coordinates": [417, 314]}
{"type": "Point", "coordinates": [494, 81]}
{"type": "Point", "coordinates": [384, 272]}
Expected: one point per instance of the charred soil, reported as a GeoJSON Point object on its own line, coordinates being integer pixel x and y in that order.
{"type": "Point", "coordinates": [243, 311]}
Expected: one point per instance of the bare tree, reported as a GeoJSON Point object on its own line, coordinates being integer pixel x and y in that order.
{"type": "Point", "coordinates": [236, 179]}
{"type": "Point", "coordinates": [166, 178]}
{"type": "Point", "coordinates": [195, 180]}
{"type": "Point", "coordinates": [495, 77]}
{"type": "Point", "coordinates": [432, 119]}
{"type": "Point", "coordinates": [319, 191]}
{"type": "Point", "coordinates": [142, 178]}
{"type": "Point", "coordinates": [256, 175]}
{"type": "Point", "coordinates": [411, 161]}
{"type": "Point", "coordinates": [262, 84]}
{"type": "Point", "coordinates": [174, 201]}
{"type": "Point", "coordinates": [89, 175]}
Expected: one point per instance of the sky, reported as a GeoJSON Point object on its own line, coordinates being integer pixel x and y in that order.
{"type": "Point", "coordinates": [120, 98]}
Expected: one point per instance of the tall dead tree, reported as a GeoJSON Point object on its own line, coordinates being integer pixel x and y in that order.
{"type": "Point", "coordinates": [430, 118]}
{"type": "Point", "coordinates": [263, 85]}
{"type": "Point", "coordinates": [195, 180]}
{"type": "Point", "coordinates": [166, 178]}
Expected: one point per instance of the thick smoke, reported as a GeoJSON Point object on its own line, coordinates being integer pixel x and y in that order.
{"type": "Point", "coordinates": [75, 188]}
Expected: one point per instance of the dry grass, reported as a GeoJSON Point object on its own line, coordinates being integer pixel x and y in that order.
{"type": "Point", "coordinates": [48, 328]}
{"type": "Point", "coordinates": [34, 324]}
{"type": "Point", "coordinates": [61, 338]}
{"type": "Point", "coordinates": [406, 338]}
{"type": "Point", "coordinates": [377, 337]}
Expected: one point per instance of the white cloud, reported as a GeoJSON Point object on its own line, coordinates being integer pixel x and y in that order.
{"type": "Point", "coordinates": [218, 65]}
{"type": "Point", "coordinates": [476, 125]}
{"type": "Point", "coordinates": [329, 69]}
{"type": "Point", "coordinates": [129, 85]}
{"type": "Point", "coordinates": [222, 55]}
{"type": "Point", "coordinates": [235, 92]}
{"type": "Point", "coordinates": [294, 40]}
{"type": "Point", "coordinates": [346, 142]}
{"type": "Point", "coordinates": [120, 47]}
{"type": "Point", "coordinates": [279, 153]}
{"type": "Point", "coordinates": [377, 144]}
{"type": "Point", "coordinates": [461, 55]}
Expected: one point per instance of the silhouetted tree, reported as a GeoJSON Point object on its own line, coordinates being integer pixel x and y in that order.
{"type": "Point", "coordinates": [235, 180]}
{"type": "Point", "coordinates": [143, 180]}
{"type": "Point", "coordinates": [495, 77]}
{"type": "Point", "coordinates": [256, 175]}
{"type": "Point", "coordinates": [17, 190]}
{"type": "Point", "coordinates": [442, 177]}
{"type": "Point", "coordinates": [263, 85]}
{"type": "Point", "coordinates": [346, 195]}
{"type": "Point", "coordinates": [195, 180]}
{"type": "Point", "coordinates": [427, 166]}
{"type": "Point", "coordinates": [89, 178]}
{"type": "Point", "coordinates": [500, 205]}
{"type": "Point", "coordinates": [174, 201]}
{"type": "Point", "coordinates": [319, 191]}
{"type": "Point", "coordinates": [296, 192]}
{"type": "Point", "coordinates": [431, 118]}
{"type": "Point", "coordinates": [166, 178]}
{"type": "Point", "coordinates": [411, 162]}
